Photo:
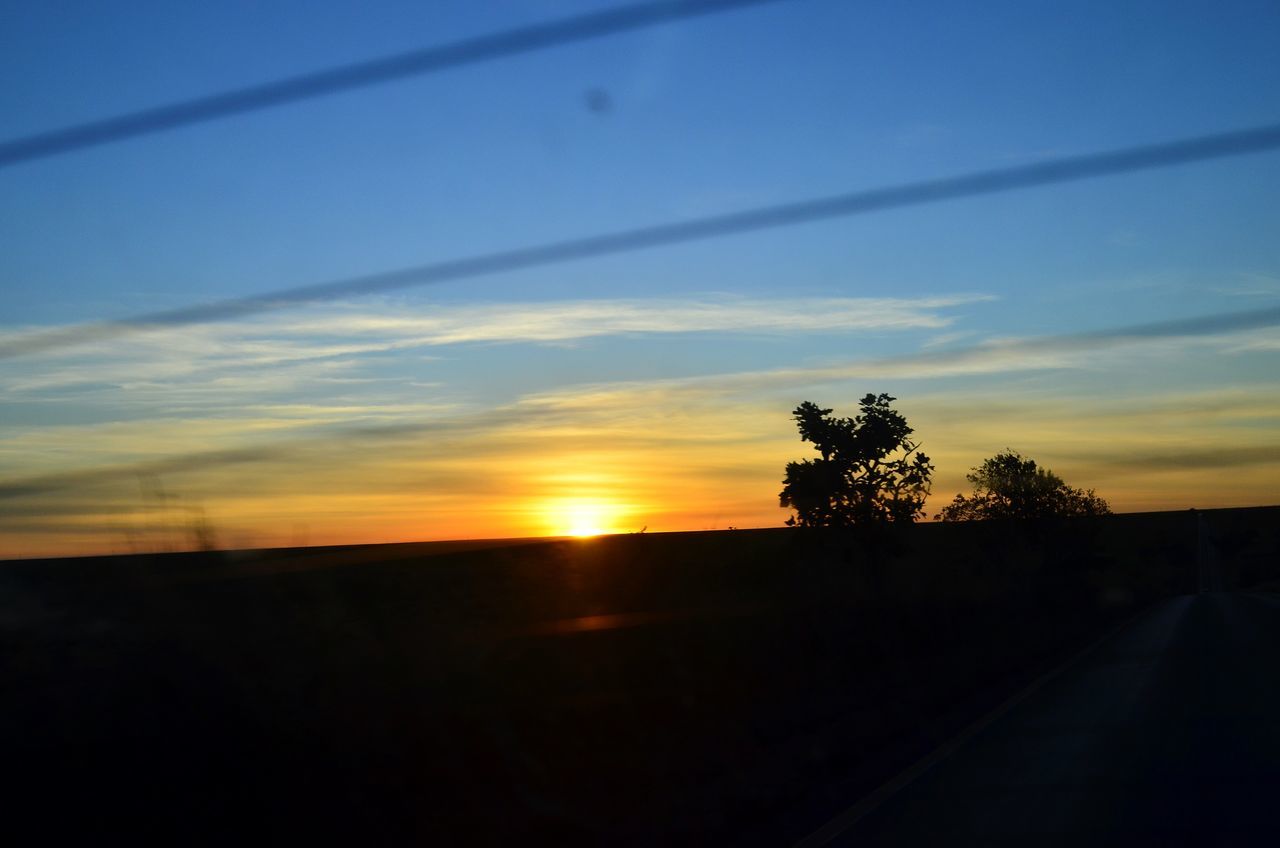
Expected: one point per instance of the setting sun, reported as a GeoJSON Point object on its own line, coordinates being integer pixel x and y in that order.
{"type": "Point", "coordinates": [583, 517]}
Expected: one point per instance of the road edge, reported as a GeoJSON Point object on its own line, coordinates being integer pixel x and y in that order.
{"type": "Point", "coordinates": [869, 802]}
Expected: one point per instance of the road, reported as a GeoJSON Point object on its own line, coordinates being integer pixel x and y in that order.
{"type": "Point", "coordinates": [1168, 733]}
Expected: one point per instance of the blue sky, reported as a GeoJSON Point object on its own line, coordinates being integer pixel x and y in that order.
{"type": "Point", "coordinates": [777, 103]}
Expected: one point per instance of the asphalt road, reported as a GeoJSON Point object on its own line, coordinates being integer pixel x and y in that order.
{"type": "Point", "coordinates": [1168, 733]}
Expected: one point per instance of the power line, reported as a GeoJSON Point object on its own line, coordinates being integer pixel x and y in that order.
{"type": "Point", "coordinates": [1199, 326]}
{"type": "Point", "coordinates": [346, 77]}
{"type": "Point", "coordinates": [1067, 169]}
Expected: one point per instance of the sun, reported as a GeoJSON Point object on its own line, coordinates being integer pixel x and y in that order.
{"type": "Point", "coordinates": [583, 517]}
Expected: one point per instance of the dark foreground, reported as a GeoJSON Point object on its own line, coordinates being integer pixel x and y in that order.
{"type": "Point", "coordinates": [720, 688]}
{"type": "Point", "coordinates": [1166, 734]}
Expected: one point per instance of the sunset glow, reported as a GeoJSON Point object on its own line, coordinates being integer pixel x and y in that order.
{"type": "Point", "coordinates": [582, 517]}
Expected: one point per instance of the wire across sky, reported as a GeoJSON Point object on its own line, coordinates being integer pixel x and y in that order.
{"type": "Point", "coordinates": [1059, 170]}
{"type": "Point", "coordinates": [428, 60]}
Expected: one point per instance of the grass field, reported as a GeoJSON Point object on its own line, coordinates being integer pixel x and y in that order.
{"type": "Point", "coordinates": [622, 690]}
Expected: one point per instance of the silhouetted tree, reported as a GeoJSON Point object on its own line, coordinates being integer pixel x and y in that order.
{"type": "Point", "coordinates": [870, 473]}
{"type": "Point", "coordinates": [1010, 486]}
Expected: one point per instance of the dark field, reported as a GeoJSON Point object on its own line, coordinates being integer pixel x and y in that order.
{"type": "Point", "coordinates": [731, 687]}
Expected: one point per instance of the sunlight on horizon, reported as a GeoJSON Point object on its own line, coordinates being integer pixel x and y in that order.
{"type": "Point", "coordinates": [582, 517]}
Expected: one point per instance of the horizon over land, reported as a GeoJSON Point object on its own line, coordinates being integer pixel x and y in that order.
{"type": "Point", "coordinates": [432, 546]}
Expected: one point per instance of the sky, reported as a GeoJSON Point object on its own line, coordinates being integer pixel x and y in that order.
{"type": "Point", "coordinates": [651, 389]}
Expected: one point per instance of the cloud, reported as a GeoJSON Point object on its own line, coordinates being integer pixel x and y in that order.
{"type": "Point", "coordinates": [271, 353]}
{"type": "Point", "coordinates": [397, 322]}
{"type": "Point", "coordinates": [299, 444]}
{"type": "Point", "coordinates": [568, 320]}
{"type": "Point", "coordinates": [653, 408]}
{"type": "Point", "coordinates": [1252, 285]}
{"type": "Point", "coordinates": [1187, 459]}
{"type": "Point", "coordinates": [1223, 333]}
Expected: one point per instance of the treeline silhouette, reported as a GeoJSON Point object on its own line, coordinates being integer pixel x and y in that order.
{"type": "Point", "coordinates": [871, 473]}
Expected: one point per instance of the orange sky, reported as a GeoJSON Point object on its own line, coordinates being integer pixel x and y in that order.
{"type": "Point", "coordinates": [619, 458]}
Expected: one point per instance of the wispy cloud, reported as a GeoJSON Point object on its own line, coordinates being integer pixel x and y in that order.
{"type": "Point", "coordinates": [1188, 458]}
{"type": "Point", "coordinates": [1252, 285]}
{"type": "Point", "coordinates": [653, 409]}
{"type": "Point", "coordinates": [340, 337]}
{"type": "Point", "coordinates": [1096, 350]}
{"type": "Point", "coordinates": [578, 319]}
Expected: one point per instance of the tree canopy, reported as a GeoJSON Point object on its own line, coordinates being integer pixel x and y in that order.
{"type": "Point", "coordinates": [1010, 486]}
{"type": "Point", "coordinates": [870, 473]}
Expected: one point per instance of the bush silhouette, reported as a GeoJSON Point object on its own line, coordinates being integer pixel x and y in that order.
{"type": "Point", "coordinates": [1010, 486]}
